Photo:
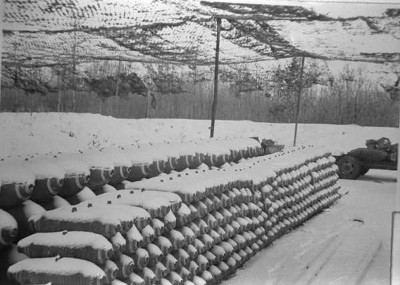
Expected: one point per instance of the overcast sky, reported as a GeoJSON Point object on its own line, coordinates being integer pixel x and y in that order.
{"type": "Point", "coordinates": [339, 9]}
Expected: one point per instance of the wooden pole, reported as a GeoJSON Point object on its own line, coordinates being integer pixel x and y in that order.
{"type": "Point", "coordinates": [1, 44]}
{"type": "Point", "coordinates": [59, 92]}
{"type": "Point", "coordinates": [355, 108]}
{"type": "Point", "coordinates": [118, 72]}
{"type": "Point", "coordinates": [148, 104]}
{"type": "Point", "coordinates": [74, 66]}
{"type": "Point", "coordinates": [214, 105]}
{"type": "Point", "coordinates": [397, 207]}
{"type": "Point", "coordinates": [395, 237]}
{"type": "Point", "coordinates": [298, 100]}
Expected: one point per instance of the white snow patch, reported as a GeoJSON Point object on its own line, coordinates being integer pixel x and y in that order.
{"type": "Point", "coordinates": [74, 239]}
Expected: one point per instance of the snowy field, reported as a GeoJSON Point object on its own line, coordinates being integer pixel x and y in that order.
{"type": "Point", "coordinates": [25, 134]}
{"type": "Point", "coordinates": [347, 244]}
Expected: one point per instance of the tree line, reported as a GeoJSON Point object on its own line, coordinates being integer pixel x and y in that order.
{"type": "Point", "coordinates": [350, 98]}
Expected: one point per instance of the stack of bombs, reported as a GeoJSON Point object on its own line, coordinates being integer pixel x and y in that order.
{"type": "Point", "coordinates": [193, 226]}
{"type": "Point", "coordinates": [31, 185]}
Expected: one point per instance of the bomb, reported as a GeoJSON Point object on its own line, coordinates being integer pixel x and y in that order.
{"type": "Point", "coordinates": [148, 275]}
{"type": "Point", "coordinates": [16, 185]}
{"type": "Point", "coordinates": [174, 278]}
{"type": "Point", "coordinates": [134, 239]}
{"type": "Point", "coordinates": [40, 270]}
{"type": "Point", "coordinates": [170, 262]}
{"type": "Point", "coordinates": [8, 229]}
{"type": "Point", "coordinates": [83, 245]}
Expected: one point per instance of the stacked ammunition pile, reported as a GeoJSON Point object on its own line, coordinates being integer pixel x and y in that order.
{"type": "Point", "coordinates": [195, 225]}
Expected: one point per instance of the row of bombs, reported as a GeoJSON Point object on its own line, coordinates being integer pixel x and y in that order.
{"type": "Point", "coordinates": [15, 222]}
{"type": "Point", "coordinates": [203, 247]}
{"type": "Point", "coordinates": [155, 203]}
{"type": "Point", "coordinates": [40, 178]}
{"type": "Point", "coordinates": [79, 174]}
{"type": "Point", "coordinates": [253, 173]}
{"type": "Point", "coordinates": [206, 250]}
{"type": "Point", "coordinates": [203, 225]}
{"type": "Point", "coordinates": [173, 235]}
{"type": "Point", "coordinates": [249, 203]}
{"type": "Point", "coordinates": [197, 244]}
{"type": "Point", "coordinates": [213, 181]}
{"type": "Point", "coordinates": [22, 212]}
{"type": "Point", "coordinates": [29, 208]}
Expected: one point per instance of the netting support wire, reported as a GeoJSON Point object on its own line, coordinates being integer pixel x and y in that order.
{"type": "Point", "coordinates": [298, 99]}
{"type": "Point", "coordinates": [214, 104]}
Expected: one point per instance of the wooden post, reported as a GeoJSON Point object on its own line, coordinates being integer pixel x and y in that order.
{"type": "Point", "coordinates": [118, 72]}
{"type": "Point", "coordinates": [148, 104]}
{"type": "Point", "coordinates": [397, 207]}
{"type": "Point", "coordinates": [298, 100]}
{"type": "Point", "coordinates": [214, 105]}
{"type": "Point", "coordinates": [74, 67]}
{"type": "Point", "coordinates": [355, 108]}
{"type": "Point", "coordinates": [1, 46]}
{"type": "Point", "coordinates": [59, 93]}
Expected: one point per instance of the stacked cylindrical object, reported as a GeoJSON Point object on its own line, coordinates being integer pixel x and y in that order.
{"type": "Point", "coordinates": [34, 184]}
{"type": "Point", "coordinates": [196, 226]}
{"type": "Point", "coordinates": [31, 185]}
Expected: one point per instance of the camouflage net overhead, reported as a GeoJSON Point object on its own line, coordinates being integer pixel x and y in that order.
{"type": "Point", "coordinates": [51, 32]}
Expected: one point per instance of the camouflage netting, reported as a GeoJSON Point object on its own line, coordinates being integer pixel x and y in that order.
{"type": "Point", "coordinates": [71, 41]}
{"type": "Point", "coordinates": [48, 32]}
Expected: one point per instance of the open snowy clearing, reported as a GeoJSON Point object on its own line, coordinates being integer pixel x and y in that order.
{"type": "Point", "coordinates": [347, 244]}
{"type": "Point", "coordinates": [39, 133]}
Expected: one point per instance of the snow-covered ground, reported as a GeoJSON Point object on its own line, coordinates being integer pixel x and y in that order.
{"type": "Point", "coordinates": [348, 242]}
{"type": "Point", "coordinates": [25, 134]}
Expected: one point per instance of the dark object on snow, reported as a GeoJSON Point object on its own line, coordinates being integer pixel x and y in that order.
{"type": "Point", "coordinates": [381, 144]}
{"type": "Point", "coordinates": [373, 155]}
{"type": "Point", "coordinates": [269, 146]}
{"type": "Point", "coordinates": [379, 154]}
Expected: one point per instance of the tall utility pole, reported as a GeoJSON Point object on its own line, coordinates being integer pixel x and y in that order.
{"type": "Point", "coordinates": [214, 105]}
{"type": "Point", "coordinates": [298, 100]}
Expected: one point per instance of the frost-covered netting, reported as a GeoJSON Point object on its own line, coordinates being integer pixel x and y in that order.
{"type": "Point", "coordinates": [39, 32]}
{"type": "Point", "coordinates": [210, 221]}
